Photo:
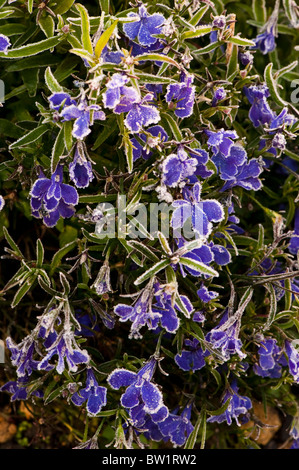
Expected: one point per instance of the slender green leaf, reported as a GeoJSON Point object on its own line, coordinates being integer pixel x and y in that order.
{"type": "Point", "coordinates": [259, 10]}
{"type": "Point", "coordinates": [85, 29]}
{"type": "Point", "coordinates": [241, 41]}
{"type": "Point", "coordinates": [31, 49]}
{"type": "Point", "coordinates": [152, 271]}
{"type": "Point", "coordinates": [51, 82]}
{"type": "Point", "coordinates": [58, 150]}
{"type": "Point", "coordinates": [32, 136]}
{"type": "Point", "coordinates": [197, 33]}
{"type": "Point", "coordinates": [273, 86]}
{"type": "Point", "coordinates": [199, 267]}
{"type": "Point", "coordinates": [103, 40]}
{"type": "Point", "coordinates": [39, 253]}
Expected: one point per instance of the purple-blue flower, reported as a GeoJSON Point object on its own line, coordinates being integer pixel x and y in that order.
{"type": "Point", "coordinates": [93, 394]}
{"type": "Point", "coordinates": [265, 41]}
{"type": "Point", "coordinates": [59, 100]}
{"type": "Point", "coordinates": [228, 166]}
{"type": "Point", "coordinates": [140, 114]}
{"type": "Point", "coordinates": [81, 114]}
{"type": "Point", "coordinates": [80, 169]}
{"type": "Point", "coordinates": [219, 95]}
{"type": "Point", "coordinates": [225, 337]}
{"type": "Point", "coordinates": [4, 43]}
{"type": "Point", "coordinates": [112, 96]}
{"type": "Point", "coordinates": [2, 202]}
{"type": "Point", "coordinates": [145, 26]}
{"type": "Point", "coordinates": [177, 167]}
{"type": "Point", "coordinates": [270, 357]}
{"type": "Point", "coordinates": [192, 358]}
{"type": "Point", "coordinates": [247, 176]}
{"type": "Point", "coordinates": [177, 427]}
{"type": "Point", "coordinates": [19, 389]}
{"type": "Point", "coordinates": [181, 96]}
{"type": "Point", "coordinates": [159, 135]}
{"type": "Point", "coordinates": [221, 141]}
{"type": "Point", "coordinates": [239, 405]}
{"type": "Point", "coordinates": [141, 394]}
{"type": "Point", "coordinates": [205, 295]}
{"type": "Point", "coordinates": [294, 241]}
{"type": "Point", "coordinates": [202, 212]}
{"type": "Point", "coordinates": [260, 112]}
{"type": "Point", "coordinates": [67, 349]}
{"type": "Point", "coordinates": [293, 360]}
{"type": "Point", "coordinates": [51, 198]}
{"type": "Point", "coordinates": [201, 170]}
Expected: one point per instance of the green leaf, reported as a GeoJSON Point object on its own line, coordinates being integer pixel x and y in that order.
{"type": "Point", "coordinates": [152, 271]}
{"type": "Point", "coordinates": [220, 410]}
{"type": "Point", "coordinates": [26, 286]}
{"type": "Point", "coordinates": [105, 133]}
{"type": "Point", "coordinates": [149, 78]}
{"type": "Point", "coordinates": [233, 63]}
{"type": "Point", "coordinates": [280, 73]}
{"type": "Point", "coordinates": [31, 49]}
{"type": "Point", "coordinates": [197, 33]}
{"type": "Point", "coordinates": [85, 28]}
{"type": "Point", "coordinates": [143, 249]}
{"type": "Point", "coordinates": [47, 25]}
{"type": "Point", "coordinates": [241, 41]}
{"type": "Point", "coordinates": [273, 86]}
{"type": "Point", "coordinates": [198, 15]}
{"type": "Point", "coordinates": [259, 10]}
{"type": "Point", "coordinates": [63, 6]}
{"type": "Point", "coordinates": [30, 5]}
{"type": "Point", "coordinates": [191, 441]}
{"type": "Point", "coordinates": [30, 79]}
{"type": "Point", "coordinates": [173, 126]}
{"type": "Point", "coordinates": [32, 136]}
{"type": "Point", "coordinates": [58, 149]}
{"type": "Point", "coordinates": [209, 48]}
{"type": "Point", "coordinates": [199, 267]}
{"type": "Point", "coordinates": [39, 253]}
{"type": "Point", "coordinates": [272, 308]}
{"type": "Point", "coordinates": [157, 58]}
{"type": "Point", "coordinates": [103, 40]}
{"type": "Point", "coordinates": [56, 260]}
{"type": "Point", "coordinates": [51, 82]}
{"type": "Point", "coordinates": [12, 244]}
{"type": "Point", "coordinates": [105, 6]}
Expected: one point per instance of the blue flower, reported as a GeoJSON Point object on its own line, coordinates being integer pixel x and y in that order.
{"type": "Point", "coordinates": [177, 167]}
{"type": "Point", "coordinates": [22, 356]}
{"type": "Point", "coordinates": [294, 241]}
{"type": "Point", "coordinates": [265, 41]}
{"type": "Point", "coordinates": [239, 405]}
{"type": "Point", "coordinates": [219, 95]}
{"type": "Point", "coordinates": [228, 166]}
{"type": "Point", "coordinates": [145, 26]}
{"type": "Point", "coordinates": [260, 112]}
{"type": "Point", "coordinates": [51, 198]}
{"type": "Point", "coordinates": [93, 394]}
{"type": "Point", "coordinates": [19, 389]}
{"type": "Point", "coordinates": [202, 212]}
{"type": "Point", "coordinates": [59, 100]}
{"type": "Point", "coordinates": [109, 56]}
{"type": "Point", "coordinates": [2, 202]}
{"type": "Point", "coordinates": [67, 349]}
{"type": "Point", "coordinates": [201, 170]}
{"type": "Point", "coordinates": [247, 176]}
{"type": "Point", "coordinates": [112, 96]}
{"type": "Point", "coordinates": [246, 58]}
{"type": "Point", "coordinates": [80, 169]}
{"type": "Point", "coordinates": [205, 295]}
{"type": "Point", "coordinates": [224, 337]}
{"type": "Point", "coordinates": [159, 136]}
{"type": "Point", "coordinates": [181, 96]}
{"type": "Point", "coordinates": [141, 394]}
{"type": "Point", "coordinates": [177, 427]}
{"type": "Point", "coordinates": [139, 114]}
{"type": "Point", "coordinates": [221, 141]}
{"type": "Point", "coordinates": [293, 360]}
{"type": "Point", "coordinates": [192, 359]}
{"type": "Point", "coordinates": [81, 115]}
{"type": "Point", "coordinates": [4, 43]}
{"type": "Point", "coordinates": [269, 359]}
{"type": "Point", "coordinates": [140, 314]}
